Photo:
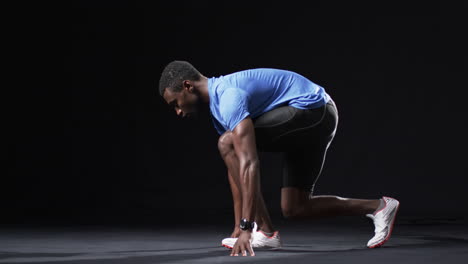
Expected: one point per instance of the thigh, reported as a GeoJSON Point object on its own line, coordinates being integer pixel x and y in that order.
{"type": "Point", "coordinates": [272, 125]}
{"type": "Point", "coordinates": [302, 167]}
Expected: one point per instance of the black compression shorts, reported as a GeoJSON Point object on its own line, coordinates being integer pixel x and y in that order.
{"type": "Point", "coordinates": [303, 135]}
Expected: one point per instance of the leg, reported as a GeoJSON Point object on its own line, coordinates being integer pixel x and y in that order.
{"type": "Point", "coordinates": [301, 171]}
{"type": "Point", "coordinates": [299, 204]}
{"type": "Point", "coordinates": [262, 217]}
{"type": "Point", "coordinates": [226, 149]}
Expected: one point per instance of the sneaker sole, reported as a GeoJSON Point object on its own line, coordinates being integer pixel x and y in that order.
{"type": "Point", "coordinates": [226, 246]}
{"type": "Point", "coordinates": [391, 227]}
{"type": "Point", "coordinates": [272, 248]}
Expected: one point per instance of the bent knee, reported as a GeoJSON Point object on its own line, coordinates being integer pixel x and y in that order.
{"type": "Point", "coordinates": [291, 211]}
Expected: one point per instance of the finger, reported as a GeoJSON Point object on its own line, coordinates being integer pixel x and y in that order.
{"type": "Point", "coordinates": [251, 251]}
{"type": "Point", "coordinates": [234, 249]}
{"type": "Point", "coordinates": [242, 250]}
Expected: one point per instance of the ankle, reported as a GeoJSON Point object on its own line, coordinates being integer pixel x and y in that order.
{"type": "Point", "coordinates": [266, 229]}
{"type": "Point", "coordinates": [378, 205]}
{"type": "Point", "coordinates": [268, 234]}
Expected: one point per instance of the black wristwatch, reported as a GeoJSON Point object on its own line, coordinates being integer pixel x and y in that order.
{"type": "Point", "coordinates": [246, 225]}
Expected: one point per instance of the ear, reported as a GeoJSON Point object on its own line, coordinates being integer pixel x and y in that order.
{"type": "Point", "coordinates": [187, 85]}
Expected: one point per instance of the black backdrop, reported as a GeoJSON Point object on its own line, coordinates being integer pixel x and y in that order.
{"type": "Point", "coordinates": [103, 146]}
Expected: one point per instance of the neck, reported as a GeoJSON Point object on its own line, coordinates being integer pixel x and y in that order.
{"type": "Point", "coordinates": [202, 88]}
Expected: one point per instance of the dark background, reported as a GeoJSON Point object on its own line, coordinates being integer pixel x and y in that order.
{"type": "Point", "coordinates": [89, 141]}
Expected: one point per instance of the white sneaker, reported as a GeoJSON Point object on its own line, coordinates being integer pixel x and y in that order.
{"type": "Point", "coordinates": [383, 221]}
{"type": "Point", "coordinates": [259, 240]}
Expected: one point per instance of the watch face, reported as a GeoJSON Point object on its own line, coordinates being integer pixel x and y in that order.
{"type": "Point", "coordinates": [245, 225]}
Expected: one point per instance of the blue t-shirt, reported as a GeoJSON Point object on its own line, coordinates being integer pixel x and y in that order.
{"type": "Point", "coordinates": [253, 92]}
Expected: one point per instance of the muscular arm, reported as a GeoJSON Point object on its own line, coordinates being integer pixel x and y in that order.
{"type": "Point", "coordinates": [237, 199]}
{"type": "Point", "coordinates": [249, 171]}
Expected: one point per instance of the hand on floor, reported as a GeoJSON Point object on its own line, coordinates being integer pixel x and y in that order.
{"type": "Point", "coordinates": [243, 244]}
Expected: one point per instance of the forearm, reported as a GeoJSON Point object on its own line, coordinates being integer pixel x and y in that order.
{"type": "Point", "coordinates": [250, 183]}
{"type": "Point", "coordinates": [237, 199]}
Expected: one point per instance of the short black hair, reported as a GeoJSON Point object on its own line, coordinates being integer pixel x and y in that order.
{"type": "Point", "coordinates": [176, 72]}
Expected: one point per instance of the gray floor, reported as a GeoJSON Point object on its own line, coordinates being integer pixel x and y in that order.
{"type": "Point", "coordinates": [303, 243]}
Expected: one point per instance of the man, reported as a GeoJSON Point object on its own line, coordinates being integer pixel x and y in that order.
{"type": "Point", "coordinates": [277, 111]}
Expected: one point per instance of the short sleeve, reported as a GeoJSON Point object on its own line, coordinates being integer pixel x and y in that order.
{"type": "Point", "coordinates": [233, 107]}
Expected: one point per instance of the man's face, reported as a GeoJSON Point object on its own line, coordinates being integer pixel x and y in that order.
{"type": "Point", "coordinates": [185, 102]}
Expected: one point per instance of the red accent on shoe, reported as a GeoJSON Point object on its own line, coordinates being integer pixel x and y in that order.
{"type": "Point", "coordinates": [267, 236]}
{"type": "Point", "coordinates": [226, 246]}
{"type": "Point", "coordinates": [391, 226]}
